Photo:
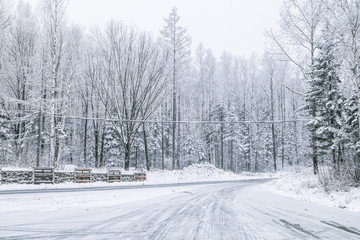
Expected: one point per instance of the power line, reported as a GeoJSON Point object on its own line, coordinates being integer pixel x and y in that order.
{"type": "Point", "coordinates": [64, 117]}
{"type": "Point", "coordinates": [185, 121]}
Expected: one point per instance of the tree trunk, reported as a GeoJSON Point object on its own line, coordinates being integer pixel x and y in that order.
{"type": "Point", "coordinates": [178, 137]}
{"type": "Point", "coordinates": [257, 148]}
{"type": "Point", "coordinates": [53, 86]}
{"type": "Point", "coordinates": [96, 126]}
{"type": "Point", "coordinates": [231, 155]}
{"type": "Point", "coordinates": [40, 121]}
{"type": "Point", "coordinates": [85, 135]}
{"type": "Point", "coordinates": [71, 137]}
{"type": "Point", "coordinates": [136, 157]}
{"type": "Point", "coordinates": [295, 134]}
{"type": "Point", "coordinates": [222, 142]}
{"type": "Point", "coordinates": [96, 145]}
{"type": "Point", "coordinates": [250, 146]}
{"type": "Point", "coordinates": [314, 146]}
{"type": "Point", "coordinates": [148, 163]}
{"type": "Point", "coordinates": [101, 160]}
{"type": "Point", "coordinates": [174, 111]}
{"type": "Point", "coordinates": [283, 109]}
{"type": "Point", "coordinates": [162, 147]}
{"type": "Point", "coordinates": [314, 156]}
{"type": "Point", "coordinates": [127, 156]}
{"type": "Point", "coordinates": [272, 122]}
{"type": "Point", "coordinates": [313, 137]}
{"type": "Point", "coordinates": [127, 152]}
{"type": "Point", "coordinates": [38, 150]}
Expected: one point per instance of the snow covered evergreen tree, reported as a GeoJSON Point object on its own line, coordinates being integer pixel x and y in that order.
{"type": "Point", "coordinates": [5, 137]}
{"type": "Point", "coordinates": [331, 105]}
{"type": "Point", "coordinates": [351, 129]}
{"type": "Point", "coordinates": [113, 146]}
{"type": "Point", "coordinates": [324, 103]}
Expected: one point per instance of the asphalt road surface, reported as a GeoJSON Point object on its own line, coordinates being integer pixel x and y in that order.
{"type": "Point", "coordinates": [221, 210]}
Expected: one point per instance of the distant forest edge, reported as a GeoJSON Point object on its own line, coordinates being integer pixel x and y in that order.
{"type": "Point", "coordinates": [120, 97]}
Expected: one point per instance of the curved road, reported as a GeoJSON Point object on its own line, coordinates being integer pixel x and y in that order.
{"type": "Point", "coordinates": [227, 210]}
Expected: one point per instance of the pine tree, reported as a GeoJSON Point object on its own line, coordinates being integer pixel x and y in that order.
{"type": "Point", "coordinates": [351, 129]}
{"type": "Point", "coordinates": [324, 103]}
{"type": "Point", "coordinates": [5, 146]}
{"type": "Point", "coordinates": [327, 68]}
{"type": "Point", "coordinates": [232, 135]}
{"type": "Point", "coordinates": [113, 146]}
{"type": "Point", "coordinates": [155, 144]}
{"type": "Point", "coordinates": [219, 114]}
{"type": "Point", "coordinates": [243, 142]}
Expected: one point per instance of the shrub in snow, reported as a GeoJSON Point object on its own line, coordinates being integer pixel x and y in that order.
{"type": "Point", "coordinates": [335, 179]}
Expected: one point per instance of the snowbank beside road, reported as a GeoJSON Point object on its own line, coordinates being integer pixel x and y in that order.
{"type": "Point", "coordinates": [195, 173]}
{"type": "Point", "coordinates": [298, 183]}
{"type": "Point", "coordinates": [301, 183]}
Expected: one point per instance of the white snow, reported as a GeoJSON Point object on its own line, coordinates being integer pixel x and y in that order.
{"type": "Point", "coordinates": [198, 173]}
{"type": "Point", "coordinates": [297, 183]}
{"type": "Point", "coordinates": [302, 184]}
{"type": "Point", "coordinates": [15, 169]}
{"type": "Point", "coordinates": [204, 172]}
{"type": "Point", "coordinates": [213, 211]}
{"type": "Point", "coordinates": [69, 168]}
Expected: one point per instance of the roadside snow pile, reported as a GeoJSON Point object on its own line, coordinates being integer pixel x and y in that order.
{"type": "Point", "coordinates": [302, 184]}
{"type": "Point", "coordinates": [193, 173]}
{"type": "Point", "coordinates": [202, 171]}
{"type": "Point", "coordinates": [69, 168]}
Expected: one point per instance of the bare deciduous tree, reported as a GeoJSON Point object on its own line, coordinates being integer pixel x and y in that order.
{"type": "Point", "coordinates": [179, 44]}
{"type": "Point", "coordinates": [139, 76]}
{"type": "Point", "coordinates": [301, 28]}
{"type": "Point", "coordinates": [55, 10]}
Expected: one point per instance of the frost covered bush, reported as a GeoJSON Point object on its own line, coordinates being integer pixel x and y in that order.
{"type": "Point", "coordinates": [336, 179]}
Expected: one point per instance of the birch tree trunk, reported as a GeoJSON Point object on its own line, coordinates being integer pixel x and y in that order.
{"type": "Point", "coordinates": [56, 11]}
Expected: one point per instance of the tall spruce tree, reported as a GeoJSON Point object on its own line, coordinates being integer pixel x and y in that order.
{"type": "Point", "coordinates": [324, 103]}
{"type": "Point", "coordinates": [352, 142]}
{"type": "Point", "coordinates": [331, 134]}
{"type": "Point", "coordinates": [313, 98]}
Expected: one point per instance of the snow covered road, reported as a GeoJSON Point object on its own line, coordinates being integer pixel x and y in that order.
{"type": "Point", "coordinates": [229, 210]}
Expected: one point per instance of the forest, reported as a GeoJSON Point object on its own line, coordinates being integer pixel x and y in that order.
{"type": "Point", "coordinates": [117, 96]}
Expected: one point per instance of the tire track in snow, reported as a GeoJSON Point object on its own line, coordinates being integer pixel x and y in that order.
{"type": "Point", "coordinates": [218, 211]}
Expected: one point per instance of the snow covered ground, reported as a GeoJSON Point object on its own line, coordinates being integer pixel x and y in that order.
{"type": "Point", "coordinates": [194, 173]}
{"type": "Point", "coordinates": [236, 210]}
{"type": "Point", "coordinates": [297, 183]}
{"type": "Point", "coordinates": [199, 173]}
{"type": "Point", "coordinates": [302, 184]}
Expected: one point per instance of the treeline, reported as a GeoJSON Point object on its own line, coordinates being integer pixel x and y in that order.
{"type": "Point", "coordinates": [320, 38]}
{"type": "Point", "coordinates": [121, 97]}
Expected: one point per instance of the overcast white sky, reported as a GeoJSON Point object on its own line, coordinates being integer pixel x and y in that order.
{"type": "Point", "coordinates": [236, 26]}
